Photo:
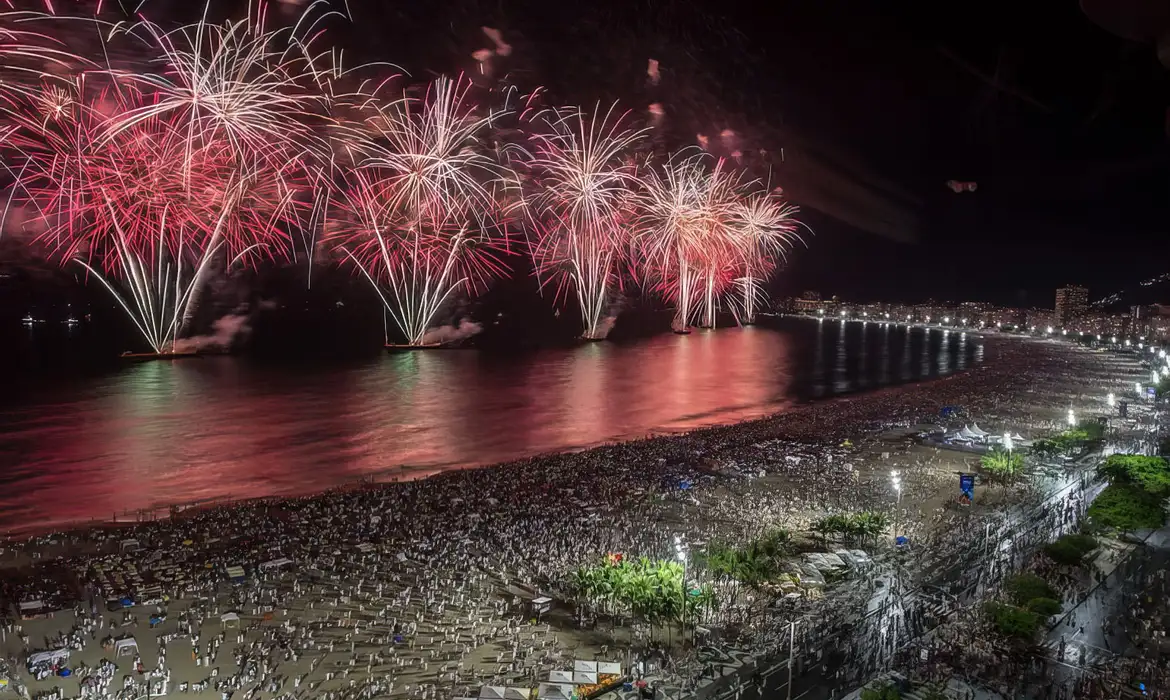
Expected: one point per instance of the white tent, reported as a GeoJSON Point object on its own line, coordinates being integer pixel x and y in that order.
{"type": "Point", "coordinates": [125, 647]}
{"type": "Point", "coordinates": [275, 563]}
{"type": "Point", "coordinates": [229, 618]}
{"type": "Point", "coordinates": [517, 693]}
{"type": "Point", "coordinates": [1017, 437]}
{"type": "Point", "coordinates": [560, 676]}
{"type": "Point", "coordinates": [609, 668]}
{"type": "Point", "coordinates": [48, 657]}
{"type": "Point", "coordinates": [492, 692]}
{"type": "Point", "coordinates": [977, 431]}
{"type": "Point", "coordinates": [584, 678]}
{"type": "Point", "coordinates": [584, 666]}
{"type": "Point", "coordinates": [967, 434]}
{"type": "Point", "coordinates": [554, 691]}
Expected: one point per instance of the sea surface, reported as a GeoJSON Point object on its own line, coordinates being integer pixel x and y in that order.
{"type": "Point", "coordinates": [149, 435]}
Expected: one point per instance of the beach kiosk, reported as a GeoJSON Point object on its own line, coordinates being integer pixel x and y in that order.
{"type": "Point", "coordinates": [126, 646]}
{"type": "Point", "coordinates": [554, 691]}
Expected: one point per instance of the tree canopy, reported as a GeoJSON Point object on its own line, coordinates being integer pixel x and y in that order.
{"type": "Point", "coordinates": [1126, 507]}
{"type": "Point", "coordinates": [1003, 466]}
{"type": "Point", "coordinates": [1013, 622]}
{"type": "Point", "coordinates": [1149, 473]}
{"type": "Point", "coordinates": [652, 590]}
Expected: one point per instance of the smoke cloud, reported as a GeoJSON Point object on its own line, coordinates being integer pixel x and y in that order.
{"type": "Point", "coordinates": [606, 325]}
{"type": "Point", "coordinates": [452, 333]}
{"type": "Point", "coordinates": [225, 332]}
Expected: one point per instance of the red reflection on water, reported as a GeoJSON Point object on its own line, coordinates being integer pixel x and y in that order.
{"type": "Point", "coordinates": [162, 433]}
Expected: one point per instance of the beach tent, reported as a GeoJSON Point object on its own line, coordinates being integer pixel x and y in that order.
{"type": "Point", "coordinates": [977, 431]}
{"type": "Point", "coordinates": [560, 676]}
{"type": "Point", "coordinates": [581, 666]}
{"type": "Point", "coordinates": [125, 647]}
{"type": "Point", "coordinates": [609, 668]}
{"type": "Point", "coordinates": [32, 607]}
{"type": "Point", "coordinates": [517, 693]}
{"type": "Point", "coordinates": [48, 657]}
{"type": "Point", "coordinates": [585, 677]}
{"type": "Point", "coordinates": [554, 691]}
{"type": "Point", "coordinates": [229, 618]}
{"type": "Point", "coordinates": [1017, 437]}
{"type": "Point", "coordinates": [275, 563]}
{"type": "Point", "coordinates": [491, 692]}
{"type": "Point", "coordinates": [235, 574]}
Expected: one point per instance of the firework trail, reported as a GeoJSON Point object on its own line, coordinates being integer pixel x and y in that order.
{"type": "Point", "coordinates": [767, 228]}
{"type": "Point", "coordinates": [686, 235]}
{"type": "Point", "coordinates": [583, 207]}
{"type": "Point", "coordinates": [425, 212]}
{"type": "Point", "coordinates": [255, 92]}
{"type": "Point", "coordinates": [234, 140]}
{"type": "Point", "coordinates": [141, 210]}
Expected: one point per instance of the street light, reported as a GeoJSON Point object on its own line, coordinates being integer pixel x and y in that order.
{"type": "Point", "coordinates": [1111, 400]}
{"type": "Point", "coordinates": [1007, 440]}
{"type": "Point", "coordinates": [791, 650]}
{"type": "Point", "coordinates": [1072, 418]}
{"type": "Point", "coordinates": [897, 481]}
{"type": "Point", "coordinates": [681, 553]}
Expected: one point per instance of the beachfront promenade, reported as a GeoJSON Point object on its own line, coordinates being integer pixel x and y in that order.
{"type": "Point", "coordinates": [424, 589]}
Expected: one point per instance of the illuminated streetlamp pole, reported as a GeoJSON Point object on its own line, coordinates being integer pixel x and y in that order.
{"type": "Point", "coordinates": [681, 553]}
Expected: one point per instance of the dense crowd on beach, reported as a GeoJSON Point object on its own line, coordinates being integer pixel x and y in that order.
{"type": "Point", "coordinates": [423, 589]}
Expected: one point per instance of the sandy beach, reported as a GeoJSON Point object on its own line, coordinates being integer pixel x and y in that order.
{"type": "Point", "coordinates": [422, 589]}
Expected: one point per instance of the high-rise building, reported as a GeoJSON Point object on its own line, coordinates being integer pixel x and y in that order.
{"type": "Point", "coordinates": [1071, 303]}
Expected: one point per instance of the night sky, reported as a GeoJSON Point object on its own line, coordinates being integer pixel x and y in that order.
{"type": "Point", "coordinates": [874, 106]}
{"type": "Point", "coordinates": [1062, 125]}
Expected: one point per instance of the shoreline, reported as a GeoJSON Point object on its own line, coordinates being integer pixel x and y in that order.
{"type": "Point", "coordinates": [404, 473]}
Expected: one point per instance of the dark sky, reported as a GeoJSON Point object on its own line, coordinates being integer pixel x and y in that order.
{"type": "Point", "coordinates": [1062, 125]}
{"type": "Point", "coordinates": [875, 105]}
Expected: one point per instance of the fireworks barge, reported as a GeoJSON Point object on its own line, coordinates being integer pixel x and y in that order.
{"type": "Point", "coordinates": [144, 356]}
{"type": "Point", "coordinates": [402, 347]}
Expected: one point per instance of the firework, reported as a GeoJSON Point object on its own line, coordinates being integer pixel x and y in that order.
{"type": "Point", "coordinates": [766, 227]}
{"type": "Point", "coordinates": [583, 207]}
{"type": "Point", "coordinates": [253, 94]}
{"type": "Point", "coordinates": [141, 209]}
{"type": "Point", "coordinates": [424, 213]}
{"type": "Point", "coordinates": [686, 235]}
